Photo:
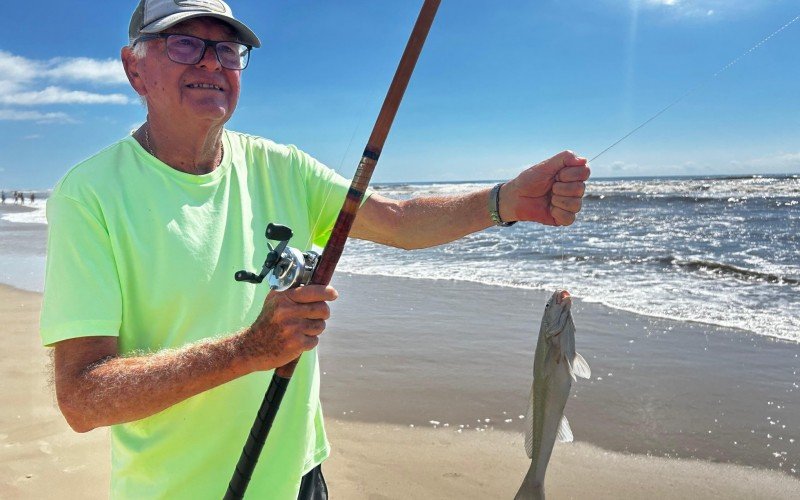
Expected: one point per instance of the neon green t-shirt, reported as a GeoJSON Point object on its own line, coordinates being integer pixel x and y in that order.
{"type": "Point", "coordinates": [146, 253]}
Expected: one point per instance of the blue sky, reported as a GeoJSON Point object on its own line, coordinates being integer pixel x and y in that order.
{"type": "Point", "coordinates": [500, 85]}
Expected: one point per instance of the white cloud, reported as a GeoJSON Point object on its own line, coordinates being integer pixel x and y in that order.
{"type": "Point", "coordinates": [58, 95]}
{"type": "Point", "coordinates": [17, 70]}
{"type": "Point", "coordinates": [35, 116]}
{"type": "Point", "coordinates": [83, 69]}
{"type": "Point", "coordinates": [617, 169]}
{"type": "Point", "coordinates": [782, 162]}
{"type": "Point", "coordinates": [20, 77]}
{"type": "Point", "coordinates": [8, 87]}
{"type": "Point", "coordinates": [623, 167]}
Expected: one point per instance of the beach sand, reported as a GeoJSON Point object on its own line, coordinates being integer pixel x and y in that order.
{"type": "Point", "coordinates": [41, 456]}
{"type": "Point", "coordinates": [405, 352]}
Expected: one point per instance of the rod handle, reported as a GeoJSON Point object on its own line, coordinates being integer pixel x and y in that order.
{"type": "Point", "coordinates": [258, 436]}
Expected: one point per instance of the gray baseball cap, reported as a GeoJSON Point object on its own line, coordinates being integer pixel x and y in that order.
{"type": "Point", "coordinates": [154, 16]}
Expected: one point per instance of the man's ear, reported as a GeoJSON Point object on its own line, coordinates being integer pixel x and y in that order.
{"type": "Point", "coordinates": [131, 65]}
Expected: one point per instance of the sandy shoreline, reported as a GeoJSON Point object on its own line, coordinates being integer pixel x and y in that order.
{"type": "Point", "coordinates": [461, 353]}
{"type": "Point", "coordinates": [375, 461]}
{"type": "Point", "coordinates": [43, 458]}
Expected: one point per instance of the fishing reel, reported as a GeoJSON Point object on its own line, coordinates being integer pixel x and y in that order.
{"type": "Point", "coordinates": [285, 267]}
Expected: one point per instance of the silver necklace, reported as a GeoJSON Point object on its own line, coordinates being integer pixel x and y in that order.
{"type": "Point", "coordinates": [147, 139]}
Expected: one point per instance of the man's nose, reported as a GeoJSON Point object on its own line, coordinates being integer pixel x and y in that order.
{"type": "Point", "coordinates": [210, 60]}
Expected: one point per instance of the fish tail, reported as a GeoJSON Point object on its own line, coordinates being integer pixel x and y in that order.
{"type": "Point", "coordinates": [530, 490]}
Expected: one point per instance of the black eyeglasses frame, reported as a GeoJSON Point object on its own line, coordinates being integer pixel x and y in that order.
{"type": "Point", "coordinates": [206, 45]}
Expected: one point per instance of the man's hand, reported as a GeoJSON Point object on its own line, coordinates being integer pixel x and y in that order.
{"type": "Point", "coordinates": [288, 325]}
{"type": "Point", "coordinates": [549, 193]}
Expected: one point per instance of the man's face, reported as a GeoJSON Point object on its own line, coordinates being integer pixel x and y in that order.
{"type": "Point", "coordinates": [181, 91]}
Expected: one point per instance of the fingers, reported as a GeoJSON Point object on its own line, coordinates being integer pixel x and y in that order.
{"type": "Point", "coordinates": [562, 217]}
{"type": "Point", "coordinates": [312, 293]}
{"type": "Point", "coordinates": [564, 210]}
{"type": "Point", "coordinates": [289, 324]}
{"type": "Point", "coordinates": [567, 204]}
{"type": "Point", "coordinates": [569, 189]}
{"type": "Point", "coordinates": [573, 174]}
{"type": "Point", "coordinates": [311, 327]}
{"type": "Point", "coordinates": [565, 167]}
{"type": "Point", "coordinates": [553, 165]}
{"type": "Point", "coordinates": [304, 307]}
{"type": "Point", "coordinates": [570, 159]}
{"type": "Point", "coordinates": [567, 199]}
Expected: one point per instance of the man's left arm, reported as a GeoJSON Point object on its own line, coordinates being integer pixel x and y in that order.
{"type": "Point", "coordinates": [549, 193]}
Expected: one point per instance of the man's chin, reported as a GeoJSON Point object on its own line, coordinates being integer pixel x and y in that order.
{"type": "Point", "coordinates": [213, 112]}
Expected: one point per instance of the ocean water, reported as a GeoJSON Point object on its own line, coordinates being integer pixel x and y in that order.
{"type": "Point", "coordinates": [23, 240]}
{"type": "Point", "coordinates": [716, 250]}
{"type": "Point", "coordinates": [721, 250]}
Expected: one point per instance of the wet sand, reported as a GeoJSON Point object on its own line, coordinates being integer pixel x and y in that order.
{"type": "Point", "coordinates": [431, 353]}
{"type": "Point", "coordinates": [461, 353]}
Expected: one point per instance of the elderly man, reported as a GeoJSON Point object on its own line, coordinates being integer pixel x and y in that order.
{"type": "Point", "coordinates": [152, 335]}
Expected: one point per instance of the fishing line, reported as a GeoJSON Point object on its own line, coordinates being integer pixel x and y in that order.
{"type": "Point", "coordinates": [686, 94]}
{"type": "Point", "coordinates": [338, 169]}
{"type": "Point", "coordinates": [563, 260]}
{"type": "Point", "coordinates": [698, 86]}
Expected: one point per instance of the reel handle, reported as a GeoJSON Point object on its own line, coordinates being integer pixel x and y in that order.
{"type": "Point", "coordinates": [247, 276]}
{"type": "Point", "coordinates": [278, 232]}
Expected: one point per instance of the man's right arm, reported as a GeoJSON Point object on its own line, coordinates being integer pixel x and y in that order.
{"type": "Point", "coordinates": [97, 387]}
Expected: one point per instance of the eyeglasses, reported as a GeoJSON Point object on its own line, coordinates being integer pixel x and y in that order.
{"type": "Point", "coordinates": [186, 49]}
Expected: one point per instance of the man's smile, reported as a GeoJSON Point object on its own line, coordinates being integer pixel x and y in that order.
{"type": "Point", "coordinates": [211, 86]}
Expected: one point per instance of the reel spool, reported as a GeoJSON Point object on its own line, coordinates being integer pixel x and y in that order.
{"type": "Point", "coordinates": [285, 267]}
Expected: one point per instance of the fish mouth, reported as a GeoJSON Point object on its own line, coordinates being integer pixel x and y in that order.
{"type": "Point", "coordinates": [563, 299]}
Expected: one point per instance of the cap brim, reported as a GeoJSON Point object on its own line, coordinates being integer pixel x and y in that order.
{"type": "Point", "coordinates": [243, 33]}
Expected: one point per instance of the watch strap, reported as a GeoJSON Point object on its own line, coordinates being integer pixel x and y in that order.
{"type": "Point", "coordinates": [494, 207]}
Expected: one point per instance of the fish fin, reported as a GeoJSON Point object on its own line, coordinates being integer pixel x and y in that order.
{"type": "Point", "coordinates": [564, 432]}
{"type": "Point", "coordinates": [570, 369]}
{"type": "Point", "coordinates": [529, 427]}
{"type": "Point", "coordinates": [580, 367]}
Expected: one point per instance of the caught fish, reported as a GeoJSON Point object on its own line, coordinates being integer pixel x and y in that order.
{"type": "Point", "coordinates": [555, 366]}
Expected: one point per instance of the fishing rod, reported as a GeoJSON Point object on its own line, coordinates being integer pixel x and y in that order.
{"type": "Point", "coordinates": [287, 267]}
{"type": "Point", "coordinates": [697, 87]}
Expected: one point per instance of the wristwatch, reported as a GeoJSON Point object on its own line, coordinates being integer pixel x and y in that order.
{"type": "Point", "coordinates": [494, 207]}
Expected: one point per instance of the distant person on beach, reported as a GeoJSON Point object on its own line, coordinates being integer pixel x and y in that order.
{"type": "Point", "coordinates": [3, 197]}
{"type": "Point", "coordinates": [32, 197]}
{"type": "Point", "coordinates": [151, 334]}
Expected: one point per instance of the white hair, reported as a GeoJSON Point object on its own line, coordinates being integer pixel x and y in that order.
{"type": "Point", "coordinates": [139, 50]}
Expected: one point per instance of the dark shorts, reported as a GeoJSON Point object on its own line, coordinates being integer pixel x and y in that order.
{"type": "Point", "coordinates": [312, 486]}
